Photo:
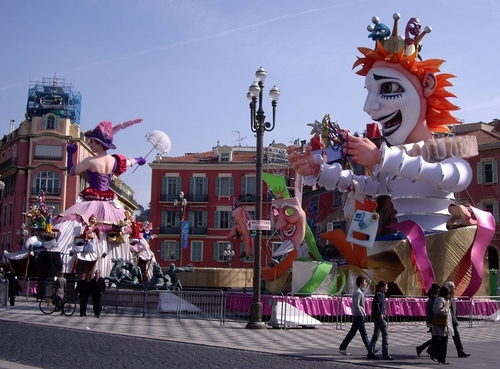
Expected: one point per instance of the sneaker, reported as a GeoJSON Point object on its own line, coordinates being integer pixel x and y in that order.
{"type": "Point", "coordinates": [419, 350]}
{"type": "Point", "coordinates": [389, 357]}
{"type": "Point", "coordinates": [344, 352]}
{"type": "Point", "coordinates": [376, 350]}
{"type": "Point", "coordinates": [372, 357]}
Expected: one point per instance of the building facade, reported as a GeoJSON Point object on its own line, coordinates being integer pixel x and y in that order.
{"type": "Point", "coordinates": [33, 159]}
{"type": "Point", "coordinates": [212, 183]}
{"type": "Point", "coordinates": [484, 190]}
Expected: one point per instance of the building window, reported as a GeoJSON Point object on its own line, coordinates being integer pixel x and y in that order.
{"type": "Point", "coordinates": [169, 250]}
{"type": "Point", "coordinates": [492, 207]}
{"type": "Point", "coordinates": [171, 186]}
{"type": "Point", "coordinates": [248, 190]}
{"type": "Point", "coordinates": [196, 251]}
{"type": "Point", "coordinates": [48, 152]}
{"type": "Point", "coordinates": [199, 189]}
{"type": "Point", "coordinates": [487, 172]}
{"type": "Point", "coordinates": [47, 181]}
{"type": "Point", "coordinates": [170, 222]}
{"type": "Point", "coordinates": [53, 208]}
{"type": "Point", "coordinates": [223, 219]}
{"type": "Point", "coordinates": [224, 186]}
{"type": "Point", "coordinates": [337, 198]}
{"type": "Point", "coordinates": [198, 222]}
{"type": "Point", "coordinates": [219, 248]}
{"type": "Point", "coordinates": [247, 259]}
{"type": "Point", "coordinates": [9, 241]}
{"type": "Point", "coordinates": [225, 156]}
{"type": "Point", "coordinates": [50, 122]}
{"type": "Point", "coordinates": [11, 206]}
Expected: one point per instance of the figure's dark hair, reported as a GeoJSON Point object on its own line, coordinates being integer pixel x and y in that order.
{"type": "Point", "coordinates": [444, 291]}
{"type": "Point", "coordinates": [381, 284]}
{"type": "Point", "coordinates": [360, 280]}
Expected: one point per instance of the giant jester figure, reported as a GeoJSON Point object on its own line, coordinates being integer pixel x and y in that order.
{"type": "Point", "coordinates": [419, 165]}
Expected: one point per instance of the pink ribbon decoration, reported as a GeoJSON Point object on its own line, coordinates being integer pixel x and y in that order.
{"type": "Point", "coordinates": [484, 234]}
{"type": "Point", "coordinates": [416, 236]}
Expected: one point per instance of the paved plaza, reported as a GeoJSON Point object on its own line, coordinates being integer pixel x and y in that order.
{"type": "Point", "coordinates": [33, 340]}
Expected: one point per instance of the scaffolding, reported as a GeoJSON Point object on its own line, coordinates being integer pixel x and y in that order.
{"type": "Point", "coordinates": [53, 95]}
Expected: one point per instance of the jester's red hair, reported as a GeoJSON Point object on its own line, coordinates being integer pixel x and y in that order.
{"type": "Point", "coordinates": [438, 110]}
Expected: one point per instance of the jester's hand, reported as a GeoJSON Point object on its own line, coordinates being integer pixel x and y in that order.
{"type": "Point", "coordinates": [140, 161]}
{"type": "Point", "coordinates": [361, 150]}
{"type": "Point", "coordinates": [71, 148]}
{"type": "Point", "coordinates": [302, 163]}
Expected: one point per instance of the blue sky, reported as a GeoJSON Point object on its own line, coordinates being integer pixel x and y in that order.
{"type": "Point", "coordinates": [185, 65]}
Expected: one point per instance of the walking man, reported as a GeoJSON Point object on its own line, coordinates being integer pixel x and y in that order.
{"type": "Point", "coordinates": [453, 306]}
{"type": "Point", "coordinates": [378, 316]}
{"type": "Point", "coordinates": [358, 318]}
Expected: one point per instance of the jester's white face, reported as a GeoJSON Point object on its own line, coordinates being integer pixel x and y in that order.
{"type": "Point", "coordinates": [396, 100]}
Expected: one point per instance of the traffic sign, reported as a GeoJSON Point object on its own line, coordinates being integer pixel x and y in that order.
{"type": "Point", "coordinates": [263, 225]}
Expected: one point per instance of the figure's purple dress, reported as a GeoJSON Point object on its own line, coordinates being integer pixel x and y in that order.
{"type": "Point", "coordinates": [99, 200]}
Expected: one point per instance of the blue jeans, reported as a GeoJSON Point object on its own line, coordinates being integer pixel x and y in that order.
{"type": "Point", "coordinates": [358, 323]}
{"type": "Point", "coordinates": [380, 326]}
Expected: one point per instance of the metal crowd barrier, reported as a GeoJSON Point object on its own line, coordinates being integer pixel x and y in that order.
{"type": "Point", "coordinates": [279, 311]}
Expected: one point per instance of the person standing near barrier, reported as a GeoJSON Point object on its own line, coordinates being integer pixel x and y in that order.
{"type": "Point", "coordinates": [378, 315]}
{"type": "Point", "coordinates": [97, 288]}
{"type": "Point", "coordinates": [60, 287]}
{"type": "Point", "coordinates": [429, 314]}
{"type": "Point", "coordinates": [83, 291]}
{"type": "Point", "coordinates": [440, 334]}
{"type": "Point", "coordinates": [453, 307]}
{"type": "Point", "coordinates": [358, 318]}
{"type": "Point", "coordinates": [3, 288]}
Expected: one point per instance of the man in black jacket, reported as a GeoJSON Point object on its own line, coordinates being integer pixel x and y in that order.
{"type": "Point", "coordinates": [378, 316]}
{"type": "Point", "coordinates": [97, 288]}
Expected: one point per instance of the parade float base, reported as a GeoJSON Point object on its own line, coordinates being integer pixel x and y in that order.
{"type": "Point", "coordinates": [217, 278]}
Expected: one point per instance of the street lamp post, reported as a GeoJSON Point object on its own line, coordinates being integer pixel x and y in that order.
{"type": "Point", "coordinates": [259, 126]}
{"type": "Point", "coordinates": [228, 255]}
{"type": "Point", "coordinates": [181, 202]}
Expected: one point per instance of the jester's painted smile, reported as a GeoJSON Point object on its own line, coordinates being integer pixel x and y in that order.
{"type": "Point", "coordinates": [390, 123]}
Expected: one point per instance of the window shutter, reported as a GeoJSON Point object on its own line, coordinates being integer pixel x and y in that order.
{"type": "Point", "coordinates": [216, 251]}
{"type": "Point", "coordinates": [192, 189]}
{"type": "Point", "coordinates": [479, 169]}
{"type": "Point", "coordinates": [179, 184]}
{"type": "Point", "coordinates": [44, 122]}
{"type": "Point", "coordinates": [480, 205]}
{"type": "Point", "coordinates": [205, 185]}
{"type": "Point", "coordinates": [204, 218]}
{"type": "Point", "coordinates": [217, 219]}
{"type": "Point", "coordinates": [495, 211]}
{"type": "Point", "coordinates": [217, 186]}
{"type": "Point", "coordinates": [231, 186]}
{"type": "Point", "coordinates": [244, 187]}
{"type": "Point", "coordinates": [494, 166]}
{"type": "Point", "coordinates": [164, 184]}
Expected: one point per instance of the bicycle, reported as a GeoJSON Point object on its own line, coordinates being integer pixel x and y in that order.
{"type": "Point", "coordinates": [67, 305]}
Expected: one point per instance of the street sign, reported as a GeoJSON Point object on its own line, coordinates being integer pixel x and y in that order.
{"type": "Point", "coordinates": [263, 225]}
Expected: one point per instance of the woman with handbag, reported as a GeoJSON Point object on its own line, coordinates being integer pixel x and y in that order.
{"type": "Point", "coordinates": [442, 325]}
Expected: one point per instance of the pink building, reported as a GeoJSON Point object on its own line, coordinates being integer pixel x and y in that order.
{"type": "Point", "coordinates": [33, 159]}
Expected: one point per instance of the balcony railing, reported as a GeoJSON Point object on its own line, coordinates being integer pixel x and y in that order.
{"type": "Point", "coordinates": [176, 230]}
{"type": "Point", "coordinates": [48, 192]}
{"type": "Point", "coordinates": [8, 163]}
{"type": "Point", "coordinates": [198, 198]}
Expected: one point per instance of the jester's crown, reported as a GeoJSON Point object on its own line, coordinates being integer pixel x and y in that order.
{"type": "Point", "coordinates": [394, 43]}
